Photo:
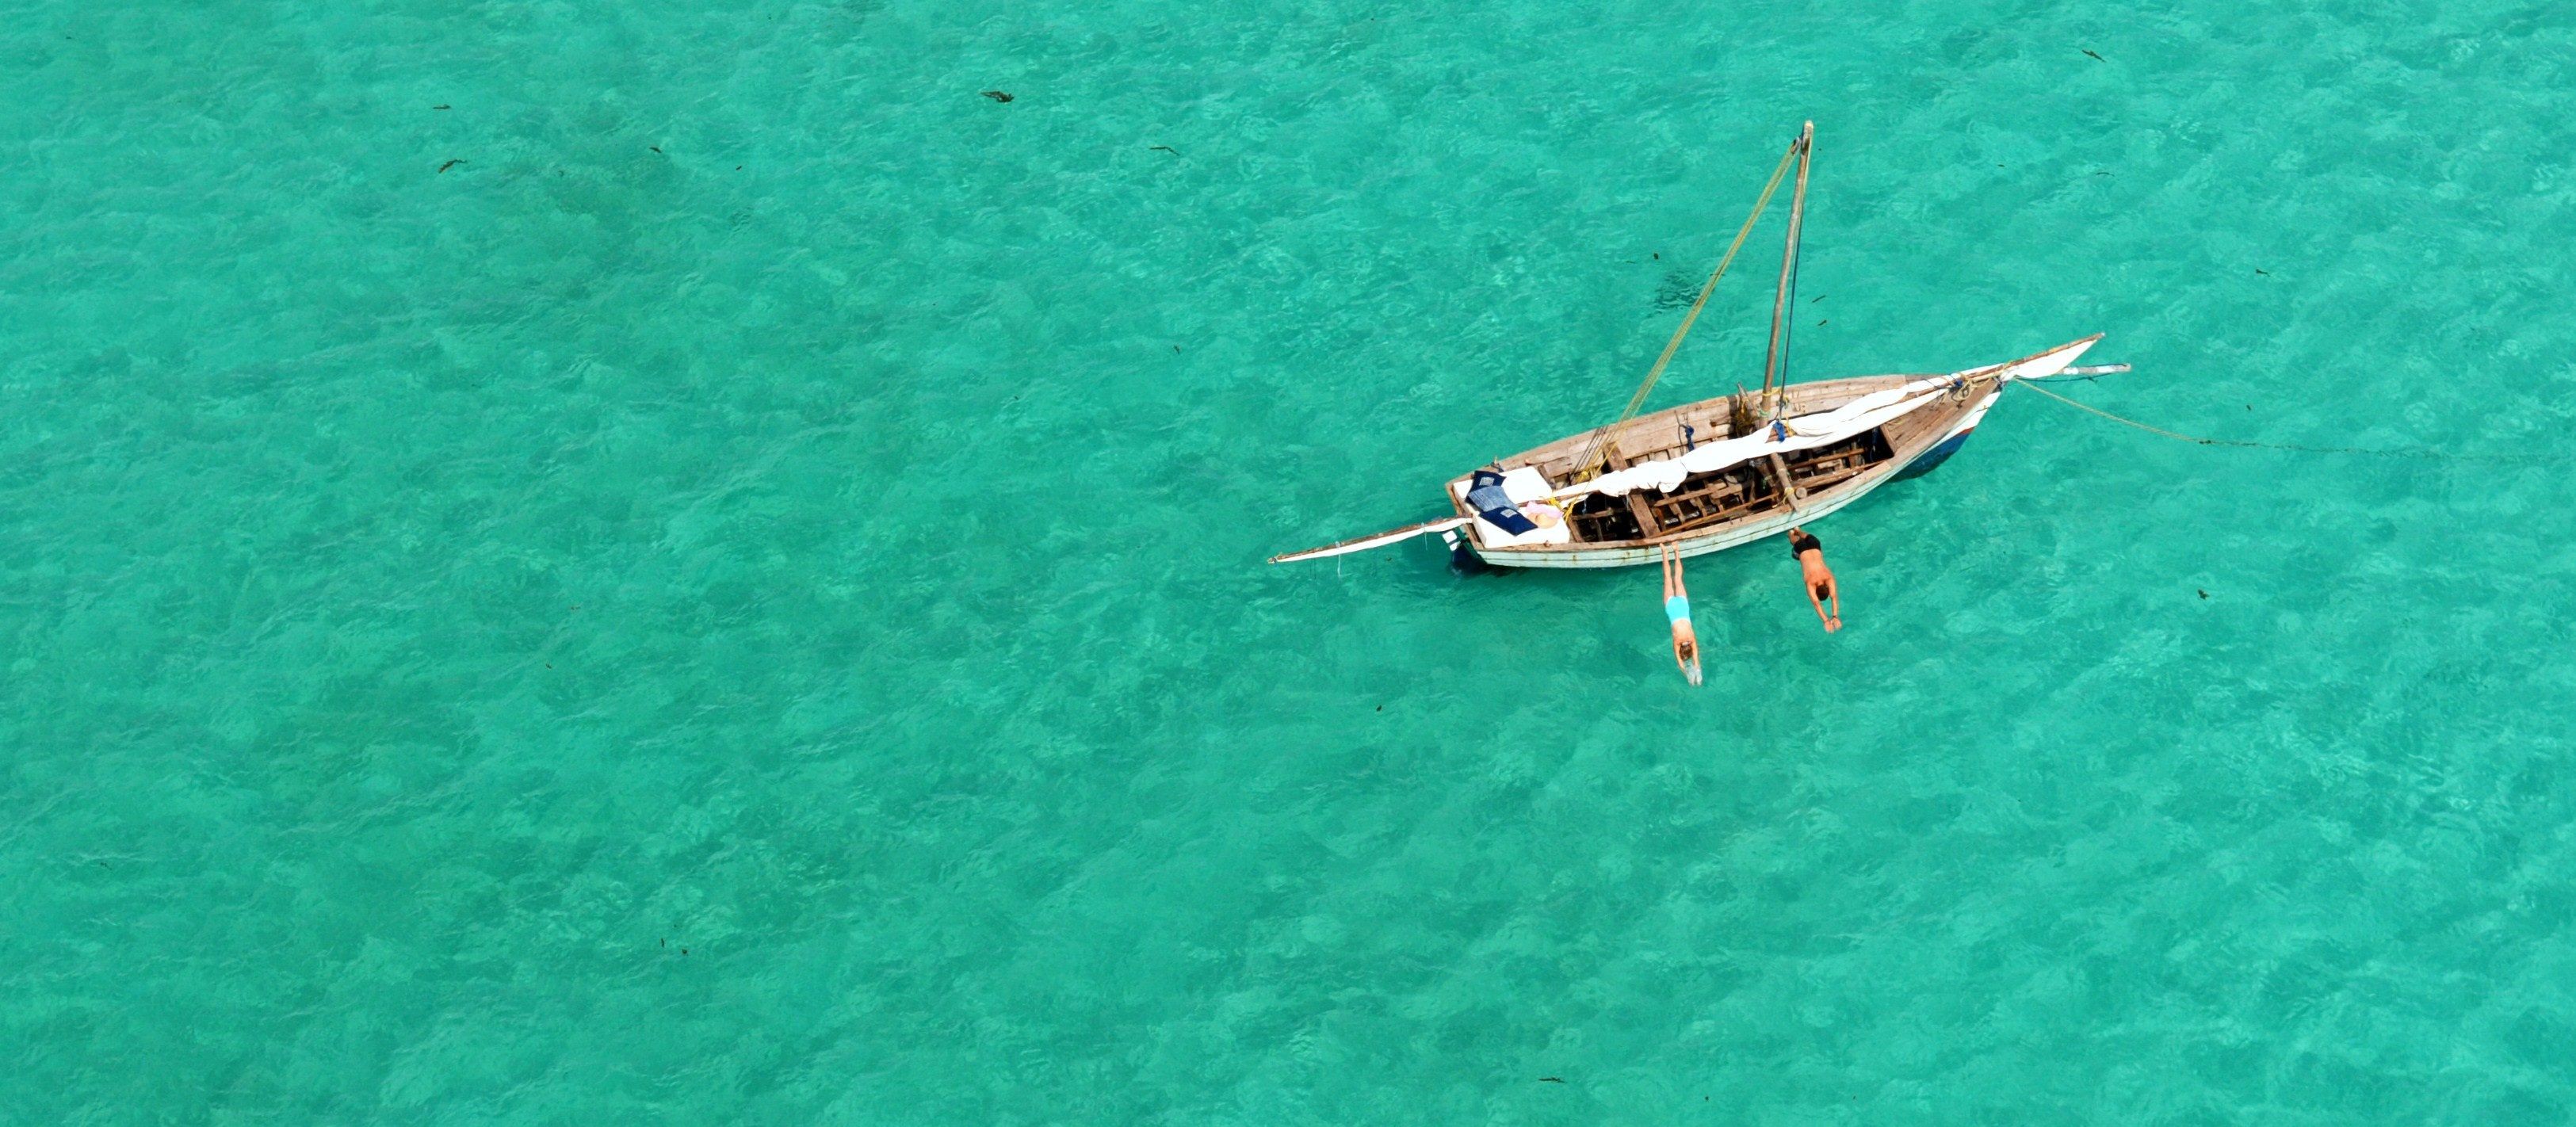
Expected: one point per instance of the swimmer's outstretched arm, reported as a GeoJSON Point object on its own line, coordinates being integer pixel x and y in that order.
{"type": "Point", "coordinates": [1833, 591]}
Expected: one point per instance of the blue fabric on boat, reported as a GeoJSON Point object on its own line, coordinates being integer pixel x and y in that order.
{"type": "Point", "coordinates": [1677, 608]}
{"type": "Point", "coordinates": [1485, 492]}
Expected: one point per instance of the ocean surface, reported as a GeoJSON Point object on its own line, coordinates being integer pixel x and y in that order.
{"type": "Point", "coordinates": [678, 564]}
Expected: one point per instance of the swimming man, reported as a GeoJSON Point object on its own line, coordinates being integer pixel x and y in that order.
{"type": "Point", "coordinates": [1821, 587]}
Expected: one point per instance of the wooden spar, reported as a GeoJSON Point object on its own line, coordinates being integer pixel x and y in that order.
{"type": "Point", "coordinates": [1591, 461]}
{"type": "Point", "coordinates": [1788, 266]}
{"type": "Point", "coordinates": [1788, 487]}
{"type": "Point", "coordinates": [1372, 540]}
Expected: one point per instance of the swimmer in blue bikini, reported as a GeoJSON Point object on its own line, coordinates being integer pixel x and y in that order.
{"type": "Point", "coordinates": [1677, 608]}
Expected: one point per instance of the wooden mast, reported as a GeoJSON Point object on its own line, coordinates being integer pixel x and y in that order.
{"type": "Point", "coordinates": [1590, 463]}
{"type": "Point", "coordinates": [1774, 357]}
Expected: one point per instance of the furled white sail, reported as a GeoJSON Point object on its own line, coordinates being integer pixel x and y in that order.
{"type": "Point", "coordinates": [1824, 428]}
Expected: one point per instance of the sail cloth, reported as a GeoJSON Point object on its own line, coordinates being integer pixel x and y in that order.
{"type": "Point", "coordinates": [1803, 432]}
{"type": "Point", "coordinates": [1824, 428]}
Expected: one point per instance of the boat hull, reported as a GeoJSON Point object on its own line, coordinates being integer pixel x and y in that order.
{"type": "Point", "coordinates": [1919, 441]}
{"type": "Point", "coordinates": [1940, 452]}
{"type": "Point", "coordinates": [1736, 534]}
{"type": "Point", "coordinates": [1908, 443]}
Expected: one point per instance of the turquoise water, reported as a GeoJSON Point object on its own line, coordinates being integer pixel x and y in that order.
{"type": "Point", "coordinates": [772, 629]}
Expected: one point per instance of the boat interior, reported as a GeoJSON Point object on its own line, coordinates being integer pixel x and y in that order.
{"type": "Point", "coordinates": [1705, 500]}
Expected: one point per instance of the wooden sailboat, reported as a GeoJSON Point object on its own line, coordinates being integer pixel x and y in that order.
{"type": "Point", "coordinates": [1720, 472]}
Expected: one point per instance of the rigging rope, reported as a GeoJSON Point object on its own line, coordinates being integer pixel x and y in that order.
{"type": "Point", "coordinates": [1590, 462]}
{"type": "Point", "coordinates": [1788, 325]}
{"type": "Point", "coordinates": [2405, 452]}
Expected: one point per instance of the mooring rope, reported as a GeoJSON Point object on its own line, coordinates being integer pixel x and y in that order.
{"type": "Point", "coordinates": [2424, 452]}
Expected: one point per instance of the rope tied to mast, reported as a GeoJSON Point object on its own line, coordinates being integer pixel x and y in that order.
{"type": "Point", "coordinates": [1589, 465]}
